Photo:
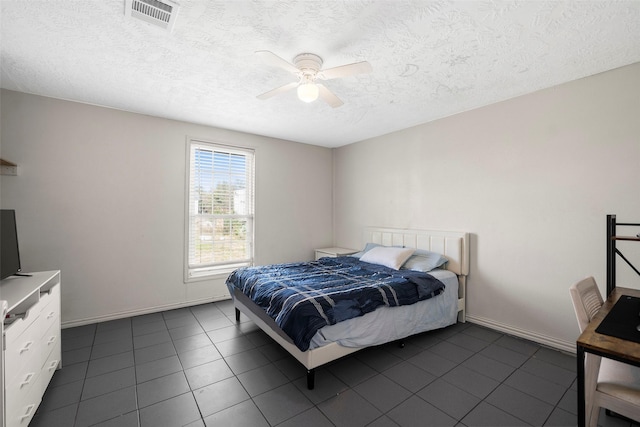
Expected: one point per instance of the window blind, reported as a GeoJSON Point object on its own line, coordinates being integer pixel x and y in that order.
{"type": "Point", "coordinates": [220, 208]}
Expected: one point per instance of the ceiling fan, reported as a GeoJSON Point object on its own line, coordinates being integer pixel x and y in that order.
{"type": "Point", "coordinates": [307, 67]}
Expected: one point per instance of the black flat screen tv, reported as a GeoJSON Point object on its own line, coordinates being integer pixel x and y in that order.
{"type": "Point", "coordinates": [9, 253]}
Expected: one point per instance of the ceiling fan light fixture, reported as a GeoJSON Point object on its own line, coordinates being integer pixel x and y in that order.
{"type": "Point", "coordinates": [307, 67]}
{"type": "Point", "coordinates": [308, 92]}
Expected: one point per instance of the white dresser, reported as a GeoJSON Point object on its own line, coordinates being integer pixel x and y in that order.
{"type": "Point", "coordinates": [31, 350]}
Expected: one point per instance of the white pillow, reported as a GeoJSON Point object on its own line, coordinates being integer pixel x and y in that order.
{"type": "Point", "coordinates": [387, 256]}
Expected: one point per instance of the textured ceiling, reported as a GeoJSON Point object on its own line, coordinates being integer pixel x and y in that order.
{"type": "Point", "coordinates": [430, 59]}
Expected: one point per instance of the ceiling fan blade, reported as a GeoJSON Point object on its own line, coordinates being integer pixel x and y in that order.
{"type": "Point", "coordinates": [274, 60]}
{"type": "Point", "coordinates": [328, 96]}
{"type": "Point", "coordinates": [278, 90]}
{"type": "Point", "coordinates": [346, 70]}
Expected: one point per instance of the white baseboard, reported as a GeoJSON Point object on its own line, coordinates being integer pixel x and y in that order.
{"type": "Point", "coordinates": [566, 346]}
{"type": "Point", "coordinates": [138, 312]}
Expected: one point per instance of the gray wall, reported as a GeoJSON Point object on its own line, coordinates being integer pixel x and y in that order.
{"type": "Point", "coordinates": [100, 196]}
{"type": "Point", "coordinates": [531, 178]}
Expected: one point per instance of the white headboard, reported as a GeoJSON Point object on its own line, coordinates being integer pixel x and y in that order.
{"type": "Point", "coordinates": [452, 244]}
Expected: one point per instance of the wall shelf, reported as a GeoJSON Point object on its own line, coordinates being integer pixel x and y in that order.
{"type": "Point", "coordinates": [635, 239]}
{"type": "Point", "coordinates": [8, 168]}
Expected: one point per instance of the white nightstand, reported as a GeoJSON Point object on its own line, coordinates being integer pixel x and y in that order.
{"type": "Point", "coordinates": [333, 252]}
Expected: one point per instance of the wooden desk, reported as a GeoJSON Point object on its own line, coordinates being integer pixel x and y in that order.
{"type": "Point", "coordinates": [604, 345]}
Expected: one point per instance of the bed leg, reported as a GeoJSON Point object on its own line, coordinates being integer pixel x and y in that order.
{"type": "Point", "coordinates": [237, 315]}
{"type": "Point", "coordinates": [311, 378]}
{"type": "Point", "coordinates": [401, 343]}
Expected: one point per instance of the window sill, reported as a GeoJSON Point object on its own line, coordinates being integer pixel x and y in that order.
{"type": "Point", "coordinates": [216, 275]}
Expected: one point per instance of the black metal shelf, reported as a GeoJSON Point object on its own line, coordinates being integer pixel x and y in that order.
{"type": "Point", "coordinates": [612, 250]}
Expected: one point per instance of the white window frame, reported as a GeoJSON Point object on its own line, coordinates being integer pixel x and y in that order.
{"type": "Point", "coordinates": [195, 272]}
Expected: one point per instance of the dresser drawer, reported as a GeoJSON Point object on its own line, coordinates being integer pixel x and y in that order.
{"type": "Point", "coordinates": [50, 297]}
{"type": "Point", "coordinates": [49, 317]}
{"type": "Point", "coordinates": [15, 329]}
{"type": "Point", "coordinates": [23, 396]}
{"type": "Point", "coordinates": [49, 302]}
{"type": "Point", "coordinates": [50, 341]}
{"type": "Point", "coordinates": [24, 354]}
{"type": "Point", "coordinates": [50, 365]}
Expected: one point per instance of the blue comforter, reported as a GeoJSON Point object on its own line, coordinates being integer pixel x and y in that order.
{"type": "Point", "coordinates": [304, 297]}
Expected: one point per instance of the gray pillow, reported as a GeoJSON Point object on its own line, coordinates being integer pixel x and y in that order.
{"type": "Point", "coordinates": [423, 260]}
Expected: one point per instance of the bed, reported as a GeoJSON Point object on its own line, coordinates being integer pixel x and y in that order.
{"type": "Point", "coordinates": [444, 307]}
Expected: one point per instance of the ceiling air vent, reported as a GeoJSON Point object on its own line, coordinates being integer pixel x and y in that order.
{"type": "Point", "coordinates": [161, 13]}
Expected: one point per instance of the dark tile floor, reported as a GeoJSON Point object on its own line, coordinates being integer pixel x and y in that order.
{"type": "Point", "coordinates": [196, 367]}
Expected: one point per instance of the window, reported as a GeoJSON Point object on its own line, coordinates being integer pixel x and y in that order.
{"type": "Point", "coordinates": [219, 209]}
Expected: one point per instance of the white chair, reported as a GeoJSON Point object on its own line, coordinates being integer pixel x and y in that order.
{"type": "Point", "coordinates": [608, 384]}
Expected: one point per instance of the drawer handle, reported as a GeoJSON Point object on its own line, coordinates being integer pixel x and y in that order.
{"type": "Point", "coordinates": [52, 339]}
{"type": "Point", "coordinates": [28, 412]}
{"type": "Point", "coordinates": [26, 347]}
{"type": "Point", "coordinates": [50, 315]}
{"type": "Point", "coordinates": [27, 379]}
{"type": "Point", "coordinates": [15, 316]}
{"type": "Point", "coordinates": [53, 365]}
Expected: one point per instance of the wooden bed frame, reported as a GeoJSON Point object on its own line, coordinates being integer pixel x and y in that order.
{"type": "Point", "coordinates": [453, 244]}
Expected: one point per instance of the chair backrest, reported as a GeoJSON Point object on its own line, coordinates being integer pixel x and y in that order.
{"type": "Point", "coordinates": [586, 299]}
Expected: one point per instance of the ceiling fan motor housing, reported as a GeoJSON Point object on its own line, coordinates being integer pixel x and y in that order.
{"type": "Point", "coordinates": [308, 63]}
